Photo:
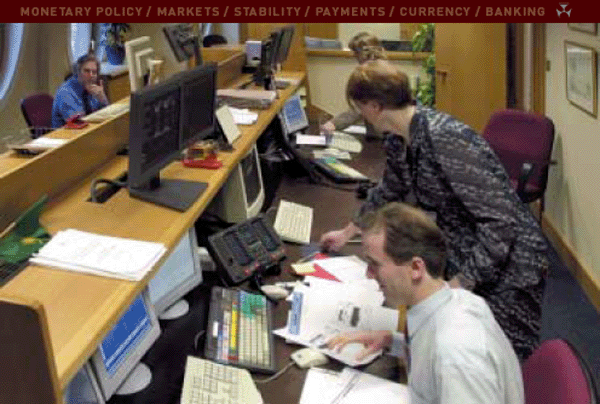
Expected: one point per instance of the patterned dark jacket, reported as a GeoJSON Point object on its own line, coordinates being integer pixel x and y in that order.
{"type": "Point", "coordinates": [495, 243]}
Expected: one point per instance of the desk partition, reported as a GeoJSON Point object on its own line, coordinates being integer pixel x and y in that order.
{"type": "Point", "coordinates": [51, 321]}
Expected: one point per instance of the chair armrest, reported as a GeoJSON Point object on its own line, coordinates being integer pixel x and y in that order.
{"type": "Point", "coordinates": [526, 171]}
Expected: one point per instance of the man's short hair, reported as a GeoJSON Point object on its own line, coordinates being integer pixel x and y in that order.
{"type": "Point", "coordinates": [83, 60]}
{"type": "Point", "coordinates": [409, 232]}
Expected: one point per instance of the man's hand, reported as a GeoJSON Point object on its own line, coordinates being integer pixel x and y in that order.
{"type": "Point", "coordinates": [97, 91]}
{"type": "Point", "coordinates": [373, 341]}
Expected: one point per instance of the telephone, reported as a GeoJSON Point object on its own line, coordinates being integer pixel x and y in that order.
{"type": "Point", "coordinates": [75, 122]}
{"type": "Point", "coordinates": [246, 248]}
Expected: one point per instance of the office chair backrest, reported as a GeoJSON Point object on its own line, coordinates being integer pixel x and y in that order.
{"type": "Point", "coordinates": [554, 374]}
{"type": "Point", "coordinates": [519, 137]}
{"type": "Point", "coordinates": [37, 111]}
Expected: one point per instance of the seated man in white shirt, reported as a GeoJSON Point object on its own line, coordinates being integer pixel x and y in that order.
{"type": "Point", "coordinates": [457, 352]}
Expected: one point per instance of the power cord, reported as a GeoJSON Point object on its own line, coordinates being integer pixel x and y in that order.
{"type": "Point", "coordinates": [275, 376]}
{"type": "Point", "coordinates": [97, 181]}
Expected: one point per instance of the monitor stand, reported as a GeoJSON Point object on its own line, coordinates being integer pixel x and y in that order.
{"type": "Point", "coordinates": [176, 310]}
{"type": "Point", "coordinates": [139, 378]}
{"type": "Point", "coordinates": [172, 193]}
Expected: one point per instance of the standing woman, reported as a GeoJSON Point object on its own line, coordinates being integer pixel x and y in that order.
{"type": "Point", "coordinates": [365, 47]}
{"type": "Point", "coordinates": [496, 247]}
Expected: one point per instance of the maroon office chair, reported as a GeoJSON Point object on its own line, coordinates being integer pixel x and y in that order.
{"type": "Point", "coordinates": [523, 142]}
{"type": "Point", "coordinates": [554, 374]}
{"type": "Point", "coordinates": [37, 111]}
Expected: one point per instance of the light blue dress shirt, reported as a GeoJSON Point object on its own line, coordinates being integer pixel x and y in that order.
{"type": "Point", "coordinates": [69, 100]}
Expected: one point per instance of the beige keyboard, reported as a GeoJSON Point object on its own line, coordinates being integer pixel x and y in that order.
{"type": "Point", "coordinates": [206, 382]}
{"type": "Point", "coordinates": [109, 111]}
{"type": "Point", "coordinates": [346, 142]}
{"type": "Point", "coordinates": [293, 222]}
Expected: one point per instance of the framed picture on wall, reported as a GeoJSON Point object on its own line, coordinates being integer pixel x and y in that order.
{"type": "Point", "coordinates": [589, 28]}
{"type": "Point", "coordinates": [581, 79]}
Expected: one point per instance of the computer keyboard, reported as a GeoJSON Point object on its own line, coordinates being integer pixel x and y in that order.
{"type": "Point", "coordinates": [293, 222]}
{"type": "Point", "coordinates": [338, 171]}
{"type": "Point", "coordinates": [206, 382]}
{"type": "Point", "coordinates": [239, 330]}
{"type": "Point", "coordinates": [344, 141]}
{"type": "Point", "coordinates": [110, 111]}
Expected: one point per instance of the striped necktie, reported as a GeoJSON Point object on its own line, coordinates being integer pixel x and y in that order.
{"type": "Point", "coordinates": [86, 103]}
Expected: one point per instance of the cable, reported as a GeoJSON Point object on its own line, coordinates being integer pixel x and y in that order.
{"type": "Point", "coordinates": [97, 181]}
{"type": "Point", "coordinates": [275, 376]}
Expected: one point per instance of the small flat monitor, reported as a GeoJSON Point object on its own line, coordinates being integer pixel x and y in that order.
{"type": "Point", "coordinates": [198, 86]}
{"type": "Point", "coordinates": [116, 363]}
{"type": "Point", "coordinates": [154, 141]}
{"type": "Point", "coordinates": [137, 51]}
{"type": "Point", "coordinates": [285, 42]}
{"type": "Point", "coordinates": [292, 115]}
{"type": "Point", "coordinates": [179, 274]}
{"type": "Point", "coordinates": [184, 42]}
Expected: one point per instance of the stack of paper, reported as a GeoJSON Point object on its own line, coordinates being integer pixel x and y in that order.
{"type": "Point", "coordinates": [117, 257]}
{"type": "Point", "coordinates": [334, 299]}
{"type": "Point", "coordinates": [350, 386]}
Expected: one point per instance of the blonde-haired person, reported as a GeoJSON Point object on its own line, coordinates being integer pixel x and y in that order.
{"type": "Point", "coordinates": [365, 47]}
{"type": "Point", "coordinates": [495, 245]}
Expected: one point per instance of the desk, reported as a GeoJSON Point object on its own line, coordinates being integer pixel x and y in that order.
{"type": "Point", "coordinates": [75, 310]}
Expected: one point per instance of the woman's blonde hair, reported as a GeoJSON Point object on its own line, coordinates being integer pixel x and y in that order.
{"type": "Point", "coordinates": [366, 46]}
{"type": "Point", "coordinates": [380, 81]}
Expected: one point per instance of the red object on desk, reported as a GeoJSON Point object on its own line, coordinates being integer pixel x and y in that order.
{"type": "Point", "coordinates": [323, 274]}
{"type": "Point", "coordinates": [211, 162]}
{"type": "Point", "coordinates": [75, 122]}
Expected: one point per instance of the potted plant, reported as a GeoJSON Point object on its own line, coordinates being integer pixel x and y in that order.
{"type": "Point", "coordinates": [424, 41]}
{"type": "Point", "coordinates": [116, 35]}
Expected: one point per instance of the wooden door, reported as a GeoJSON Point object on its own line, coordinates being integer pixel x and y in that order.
{"type": "Point", "coordinates": [471, 71]}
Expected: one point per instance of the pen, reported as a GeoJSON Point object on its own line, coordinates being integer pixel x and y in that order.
{"type": "Point", "coordinates": [307, 257]}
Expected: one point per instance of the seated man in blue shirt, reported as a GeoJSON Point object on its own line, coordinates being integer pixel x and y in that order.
{"type": "Point", "coordinates": [455, 350]}
{"type": "Point", "coordinates": [81, 94]}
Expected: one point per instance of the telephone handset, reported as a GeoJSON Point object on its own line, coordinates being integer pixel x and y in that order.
{"type": "Point", "coordinates": [75, 122]}
{"type": "Point", "coordinates": [246, 248]}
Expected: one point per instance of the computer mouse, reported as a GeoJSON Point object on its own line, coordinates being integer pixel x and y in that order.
{"type": "Point", "coordinates": [309, 357]}
{"type": "Point", "coordinates": [274, 292]}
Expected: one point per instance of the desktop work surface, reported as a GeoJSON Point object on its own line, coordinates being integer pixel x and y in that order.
{"type": "Point", "coordinates": [75, 311]}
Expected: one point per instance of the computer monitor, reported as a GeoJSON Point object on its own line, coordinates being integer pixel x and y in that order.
{"type": "Point", "coordinates": [285, 41]}
{"type": "Point", "coordinates": [292, 115]}
{"type": "Point", "coordinates": [154, 141]}
{"type": "Point", "coordinates": [243, 195]}
{"type": "Point", "coordinates": [179, 274]}
{"type": "Point", "coordinates": [184, 42]}
{"type": "Point", "coordinates": [268, 51]}
{"type": "Point", "coordinates": [136, 52]}
{"type": "Point", "coordinates": [198, 104]}
{"type": "Point", "coordinates": [116, 362]}
{"type": "Point", "coordinates": [83, 388]}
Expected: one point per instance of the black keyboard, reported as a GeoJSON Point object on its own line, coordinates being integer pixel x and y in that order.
{"type": "Point", "coordinates": [239, 331]}
{"type": "Point", "coordinates": [8, 270]}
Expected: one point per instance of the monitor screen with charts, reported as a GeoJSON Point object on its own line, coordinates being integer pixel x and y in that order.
{"type": "Point", "coordinates": [124, 345]}
{"type": "Point", "coordinates": [184, 42]}
{"type": "Point", "coordinates": [179, 274]}
{"type": "Point", "coordinates": [285, 42]}
{"type": "Point", "coordinates": [293, 117]}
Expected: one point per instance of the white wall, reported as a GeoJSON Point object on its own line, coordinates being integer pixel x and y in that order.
{"type": "Point", "coordinates": [572, 202]}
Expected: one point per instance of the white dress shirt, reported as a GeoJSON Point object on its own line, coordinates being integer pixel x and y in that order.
{"type": "Point", "coordinates": [458, 352]}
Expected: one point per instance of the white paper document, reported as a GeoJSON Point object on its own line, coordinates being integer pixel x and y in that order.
{"type": "Point", "coordinates": [311, 140]}
{"type": "Point", "coordinates": [99, 255]}
{"type": "Point", "coordinates": [243, 116]}
{"type": "Point", "coordinates": [350, 386]}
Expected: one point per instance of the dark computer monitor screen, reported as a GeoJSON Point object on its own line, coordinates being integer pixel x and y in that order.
{"type": "Point", "coordinates": [198, 103]}
{"type": "Point", "coordinates": [286, 36]}
{"type": "Point", "coordinates": [154, 130]}
{"type": "Point", "coordinates": [184, 42]}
